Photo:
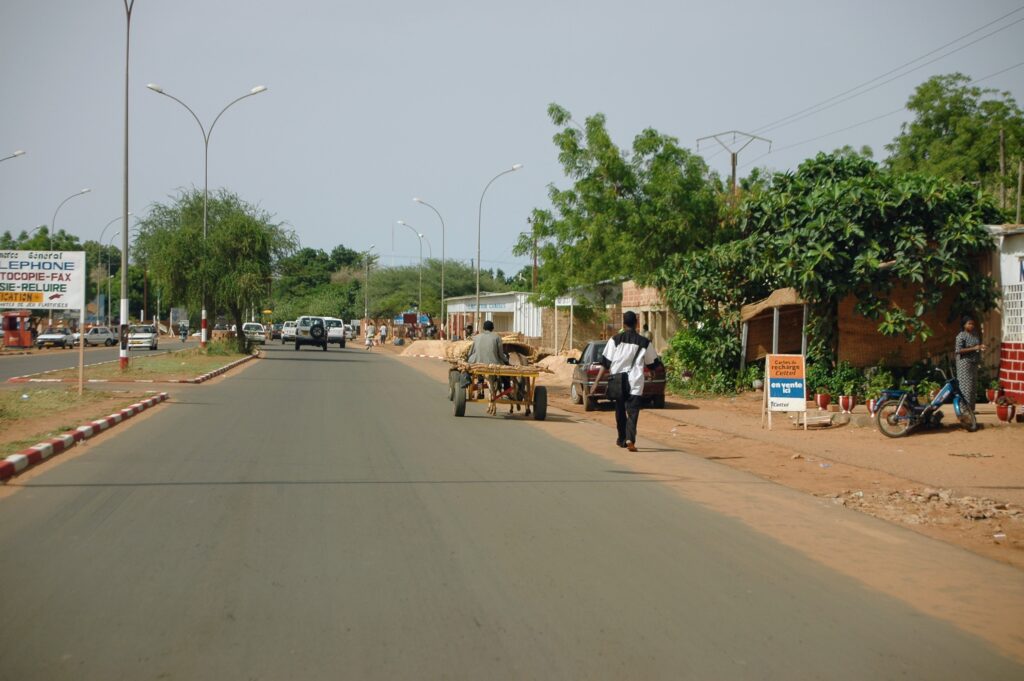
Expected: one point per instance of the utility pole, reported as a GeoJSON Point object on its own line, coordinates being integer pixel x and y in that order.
{"type": "Point", "coordinates": [733, 150]}
{"type": "Point", "coordinates": [1002, 169]}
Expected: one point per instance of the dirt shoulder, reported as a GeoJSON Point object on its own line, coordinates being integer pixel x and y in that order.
{"type": "Point", "coordinates": [966, 489]}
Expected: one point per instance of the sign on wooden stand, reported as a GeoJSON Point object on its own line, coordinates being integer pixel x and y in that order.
{"type": "Point", "coordinates": [785, 386]}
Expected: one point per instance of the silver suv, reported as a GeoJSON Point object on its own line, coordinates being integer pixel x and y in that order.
{"type": "Point", "coordinates": [310, 331]}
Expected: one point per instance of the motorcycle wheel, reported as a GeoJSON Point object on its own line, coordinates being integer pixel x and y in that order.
{"type": "Point", "coordinates": [968, 421]}
{"type": "Point", "coordinates": [892, 420]}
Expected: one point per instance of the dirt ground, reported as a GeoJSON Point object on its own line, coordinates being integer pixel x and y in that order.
{"type": "Point", "coordinates": [962, 488]}
{"type": "Point", "coordinates": [21, 433]}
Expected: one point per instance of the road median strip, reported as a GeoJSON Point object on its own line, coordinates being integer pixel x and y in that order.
{"type": "Point", "coordinates": [30, 456]}
{"type": "Point", "coordinates": [40, 377]}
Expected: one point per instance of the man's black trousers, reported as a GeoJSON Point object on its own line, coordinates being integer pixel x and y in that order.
{"type": "Point", "coordinates": [627, 411]}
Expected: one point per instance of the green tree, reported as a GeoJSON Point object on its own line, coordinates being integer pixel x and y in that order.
{"type": "Point", "coordinates": [625, 210]}
{"type": "Point", "coordinates": [842, 226]}
{"type": "Point", "coordinates": [232, 265]}
{"type": "Point", "coordinates": [955, 132]}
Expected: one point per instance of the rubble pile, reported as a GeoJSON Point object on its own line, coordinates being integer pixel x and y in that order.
{"type": "Point", "coordinates": [928, 506]}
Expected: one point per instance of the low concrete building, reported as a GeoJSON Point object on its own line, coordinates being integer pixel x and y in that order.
{"type": "Point", "coordinates": [511, 312]}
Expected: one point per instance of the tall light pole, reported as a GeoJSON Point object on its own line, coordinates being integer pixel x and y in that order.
{"type": "Point", "coordinates": [419, 305]}
{"type": "Point", "coordinates": [479, 221]}
{"type": "Point", "coordinates": [53, 226]}
{"type": "Point", "coordinates": [366, 288]}
{"type": "Point", "coordinates": [123, 336]}
{"type": "Point", "coordinates": [206, 169]}
{"type": "Point", "coordinates": [444, 318]}
{"type": "Point", "coordinates": [16, 154]}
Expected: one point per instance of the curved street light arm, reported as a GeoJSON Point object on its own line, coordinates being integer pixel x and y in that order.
{"type": "Point", "coordinates": [479, 222]}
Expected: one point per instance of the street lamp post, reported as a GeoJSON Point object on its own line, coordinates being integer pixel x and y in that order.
{"type": "Point", "coordinates": [479, 221]}
{"type": "Point", "coordinates": [444, 318]}
{"type": "Point", "coordinates": [419, 305]}
{"type": "Point", "coordinates": [206, 170]}
{"type": "Point", "coordinates": [53, 225]}
{"type": "Point", "coordinates": [16, 154]}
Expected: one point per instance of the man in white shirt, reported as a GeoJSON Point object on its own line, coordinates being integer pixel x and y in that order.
{"type": "Point", "coordinates": [627, 353]}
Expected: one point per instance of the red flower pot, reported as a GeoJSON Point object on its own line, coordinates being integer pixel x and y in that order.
{"type": "Point", "coordinates": [847, 403]}
{"type": "Point", "coordinates": [871, 404]}
{"type": "Point", "coordinates": [991, 394]}
{"type": "Point", "coordinates": [822, 400]}
{"type": "Point", "coordinates": [1005, 412]}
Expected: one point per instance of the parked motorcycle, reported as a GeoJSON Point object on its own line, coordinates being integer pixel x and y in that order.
{"type": "Point", "coordinates": [898, 412]}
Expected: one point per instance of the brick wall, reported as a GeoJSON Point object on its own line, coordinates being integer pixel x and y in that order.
{"type": "Point", "coordinates": [862, 345]}
{"type": "Point", "coordinates": [1011, 370]}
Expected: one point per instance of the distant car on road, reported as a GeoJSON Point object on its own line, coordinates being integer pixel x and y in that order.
{"type": "Point", "coordinates": [350, 333]}
{"type": "Point", "coordinates": [97, 335]}
{"type": "Point", "coordinates": [142, 336]}
{"type": "Point", "coordinates": [310, 330]}
{"type": "Point", "coordinates": [275, 331]}
{"type": "Point", "coordinates": [335, 331]}
{"type": "Point", "coordinates": [585, 371]}
{"type": "Point", "coordinates": [288, 332]}
{"type": "Point", "coordinates": [254, 333]}
{"type": "Point", "coordinates": [54, 338]}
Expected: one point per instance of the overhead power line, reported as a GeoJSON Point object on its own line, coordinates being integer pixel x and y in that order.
{"type": "Point", "coordinates": [869, 120]}
{"type": "Point", "coordinates": [847, 94]}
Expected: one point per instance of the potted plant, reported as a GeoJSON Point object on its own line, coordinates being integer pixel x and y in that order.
{"type": "Point", "coordinates": [1006, 407]}
{"type": "Point", "coordinates": [847, 397]}
{"type": "Point", "coordinates": [879, 379]}
{"type": "Point", "coordinates": [822, 398]}
{"type": "Point", "coordinates": [993, 390]}
{"type": "Point", "coordinates": [928, 389]}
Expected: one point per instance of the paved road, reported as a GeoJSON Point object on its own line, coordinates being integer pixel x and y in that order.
{"type": "Point", "coordinates": [322, 515]}
{"type": "Point", "coordinates": [59, 358]}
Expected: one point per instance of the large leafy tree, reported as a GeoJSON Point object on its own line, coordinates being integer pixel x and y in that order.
{"type": "Point", "coordinates": [625, 210]}
{"type": "Point", "coordinates": [955, 132]}
{"type": "Point", "coordinates": [232, 266]}
{"type": "Point", "coordinates": [840, 226]}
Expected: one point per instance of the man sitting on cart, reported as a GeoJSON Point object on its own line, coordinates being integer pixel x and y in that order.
{"type": "Point", "coordinates": [487, 349]}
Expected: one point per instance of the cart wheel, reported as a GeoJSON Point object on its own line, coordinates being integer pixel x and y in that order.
{"type": "Point", "coordinates": [460, 402]}
{"type": "Point", "coordinates": [453, 380]}
{"type": "Point", "coordinates": [540, 403]}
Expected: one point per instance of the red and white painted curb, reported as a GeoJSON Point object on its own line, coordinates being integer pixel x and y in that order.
{"type": "Point", "coordinates": [26, 458]}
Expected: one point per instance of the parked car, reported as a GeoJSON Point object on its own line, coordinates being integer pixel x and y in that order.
{"type": "Point", "coordinates": [142, 336]}
{"type": "Point", "coordinates": [54, 338]}
{"type": "Point", "coordinates": [288, 332]}
{"type": "Point", "coordinates": [254, 332]}
{"type": "Point", "coordinates": [584, 391]}
{"type": "Point", "coordinates": [97, 335]}
{"type": "Point", "coordinates": [350, 333]}
{"type": "Point", "coordinates": [310, 330]}
{"type": "Point", "coordinates": [335, 331]}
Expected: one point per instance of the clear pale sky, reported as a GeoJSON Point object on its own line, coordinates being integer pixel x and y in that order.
{"type": "Point", "coordinates": [370, 104]}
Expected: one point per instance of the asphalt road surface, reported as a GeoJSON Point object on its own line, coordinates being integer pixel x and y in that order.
{"type": "Point", "coordinates": [61, 358]}
{"type": "Point", "coordinates": [321, 515]}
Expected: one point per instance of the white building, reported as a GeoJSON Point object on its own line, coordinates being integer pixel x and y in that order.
{"type": "Point", "coordinates": [511, 312]}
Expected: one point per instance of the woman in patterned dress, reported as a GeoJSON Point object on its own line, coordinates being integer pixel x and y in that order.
{"type": "Point", "coordinates": [968, 356]}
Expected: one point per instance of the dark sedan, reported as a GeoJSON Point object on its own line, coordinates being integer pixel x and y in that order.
{"type": "Point", "coordinates": [585, 372]}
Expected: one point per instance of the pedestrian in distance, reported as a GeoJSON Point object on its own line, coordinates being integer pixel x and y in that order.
{"type": "Point", "coordinates": [968, 356]}
{"type": "Point", "coordinates": [624, 358]}
{"type": "Point", "coordinates": [383, 334]}
{"type": "Point", "coordinates": [371, 332]}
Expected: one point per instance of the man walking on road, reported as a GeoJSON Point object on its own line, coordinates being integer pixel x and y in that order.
{"type": "Point", "coordinates": [627, 353]}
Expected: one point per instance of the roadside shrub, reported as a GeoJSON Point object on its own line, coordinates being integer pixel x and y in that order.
{"type": "Point", "coordinates": [703, 359]}
{"type": "Point", "coordinates": [223, 346]}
